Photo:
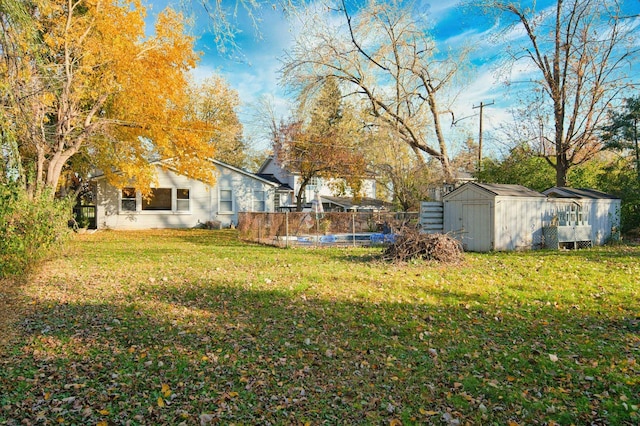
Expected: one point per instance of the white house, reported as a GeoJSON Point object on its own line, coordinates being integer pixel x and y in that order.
{"type": "Point", "coordinates": [289, 185]}
{"type": "Point", "coordinates": [181, 202]}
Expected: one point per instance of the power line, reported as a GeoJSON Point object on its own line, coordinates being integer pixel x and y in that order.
{"type": "Point", "coordinates": [481, 106]}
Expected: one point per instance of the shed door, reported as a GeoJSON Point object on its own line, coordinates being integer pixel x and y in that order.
{"type": "Point", "coordinates": [476, 225]}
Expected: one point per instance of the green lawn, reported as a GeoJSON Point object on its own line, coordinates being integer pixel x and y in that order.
{"type": "Point", "coordinates": [164, 327]}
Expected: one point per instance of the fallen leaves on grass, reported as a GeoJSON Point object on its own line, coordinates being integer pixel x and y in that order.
{"type": "Point", "coordinates": [214, 343]}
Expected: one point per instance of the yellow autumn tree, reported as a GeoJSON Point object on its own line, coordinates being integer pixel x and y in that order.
{"type": "Point", "coordinates": [214, 102]}
{"type": "Point", "coordinates": [82, 77]}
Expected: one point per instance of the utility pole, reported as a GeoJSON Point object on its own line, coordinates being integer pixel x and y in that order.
{"type": "Point", "coordinates": [481, 106]}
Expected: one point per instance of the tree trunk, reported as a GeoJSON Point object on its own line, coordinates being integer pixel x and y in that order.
{"type": "Point", "coordinates": [39, 178]}
{"type": "Point", "coordinates": [54, 170]}
{"type": "Point", "coordinates": [562, 167]}
{"type": "Point", "coordinates": [442, 145]}
{"type": "Point", "coordinates": [299, 195]}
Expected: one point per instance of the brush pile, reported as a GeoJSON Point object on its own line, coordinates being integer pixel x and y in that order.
{"type": "Point", "coordinates": [411, 244]}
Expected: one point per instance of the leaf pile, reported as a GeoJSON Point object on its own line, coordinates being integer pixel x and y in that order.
{"type": "Point", "coordinates": [412, 244]}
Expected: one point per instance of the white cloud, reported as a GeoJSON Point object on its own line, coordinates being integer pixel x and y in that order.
{"type": "Point", "coordinates": [258, 76]}
{"type": "Point", "coordinates": [436, 10]}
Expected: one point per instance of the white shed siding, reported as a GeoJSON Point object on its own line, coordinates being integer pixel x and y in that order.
{"type": "Point", "coordinates": [469, 217]}
{"type": "Point", "coordinates": [510, 217]}
{"type": "Point", "coordinates": [602, 210]}
{"type": "Point", "coordinates": [494, 217]}
{"type": "Point", "coordinates": [518, 223]}
{"type": "Point", "coordinates": [477, 226]}
{"type": "Point", "coordinates": [603, 215]}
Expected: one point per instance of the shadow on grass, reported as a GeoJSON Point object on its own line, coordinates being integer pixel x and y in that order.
{"type": "Point", "coordinates": [593, 254]}
{"type": "Point", "coordinates": [282, 357]}
{"type": "Point", "coordinates": [12, 308]}
{"type": "Point", "coordinates": [375, 254]}
{"type": "Point", "coordinates": [215, 237]}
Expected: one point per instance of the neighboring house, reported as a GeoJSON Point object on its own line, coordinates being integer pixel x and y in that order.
{"type": "Point", "coordinates": [181, 202]}
{"type": "Point", "coordinates": [289, 185]}
{"type": "Point", "coordinates": [437, 192]}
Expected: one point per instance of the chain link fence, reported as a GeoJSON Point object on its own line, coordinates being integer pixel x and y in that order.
{"type": "Point", "coordinates": [292, 229]}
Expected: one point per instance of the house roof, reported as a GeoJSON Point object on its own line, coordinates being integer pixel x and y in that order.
{"type": "Point", "coordinates": [166, 163]}
{"type": "Point", "coordinates": [500, 189]}
{"type": "Point", "coordinates": [464, 176]}
{"type": "Point", "coordinates": [367, 173]}
{"type": "Point", "coordinates": [349, 203]}
{"type": "Point", "coordinates": [241, 171]}
{"type": "Point", "coordinates": [565, 192]}
{"type": "Point", "coordinates": [272, 178]}
{"type": "Point", "coordinates": [265, 164]}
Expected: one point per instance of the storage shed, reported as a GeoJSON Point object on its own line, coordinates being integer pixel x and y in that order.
{"type": "Point", "coordinates": [596, 211]}
{"type": "Point", "coordinates": [499, 217]}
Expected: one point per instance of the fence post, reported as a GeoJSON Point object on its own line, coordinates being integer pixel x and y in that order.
{"type": "Point", "coordinates": [353, 228]}
{"type": "Point", "coordinates": [286, 229]}
{"type": "Point", "coordinates": [317, 229]}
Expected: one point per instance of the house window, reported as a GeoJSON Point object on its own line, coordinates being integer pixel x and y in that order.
{"type": "Point", "coordinates": [159, 199]}
{"type": "Point", "coordinates": [182, 200]}
{"type": "Point", "coordinates": [314, 184]}
{"type": "Point", "coordinates": [226, 201]}
{"type": "Point", "coordinates": [128, 200]}
{"type": "Point", "coordinates": [259, 201]}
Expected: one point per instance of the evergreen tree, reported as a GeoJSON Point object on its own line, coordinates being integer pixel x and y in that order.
{"type": "Point", "coordinates": [622, 132]}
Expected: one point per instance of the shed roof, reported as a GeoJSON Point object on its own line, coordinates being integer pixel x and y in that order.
{"type": "Point", "coordinates": [565, 192]}
{"type": "Point", "coordinates": [500, 189]}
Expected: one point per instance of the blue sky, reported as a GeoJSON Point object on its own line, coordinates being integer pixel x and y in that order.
{"type": "Point", "coordinates": [253, 70]}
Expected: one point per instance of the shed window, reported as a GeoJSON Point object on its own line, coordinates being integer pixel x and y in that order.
{"type": "Point", "coordinates": [572, 215]}
{"type": "Point", "coordinates": [159, 199]}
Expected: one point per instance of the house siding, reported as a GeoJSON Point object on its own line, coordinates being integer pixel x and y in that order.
{"type": "Point", "coordinates": [204, 202]}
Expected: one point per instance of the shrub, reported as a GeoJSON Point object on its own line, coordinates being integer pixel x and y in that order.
{"type": "Point", "coordinates": [29, 228]}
